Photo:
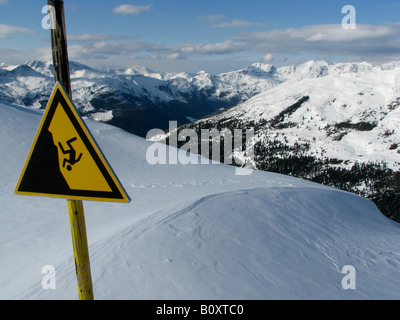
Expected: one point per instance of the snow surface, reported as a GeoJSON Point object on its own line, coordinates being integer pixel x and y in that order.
{"type": "Point", "coordinates": [192, 231]}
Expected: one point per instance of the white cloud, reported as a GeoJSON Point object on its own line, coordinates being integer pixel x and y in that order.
{"type": "Point", "coordinates": [322, 33]}
{"type": "Point", "coordinates": [224, 47]}
{"type": "Point", "coordinates": [376, 44]}
{"type": "Point", "coordinates": [365, 42]}
{"type": "Point", "coordinates": [216, 22]}
{"type": "Point", "coordinates": [269, 57]}
{"type": "Point", "coordinates": [18, 56]}
{"type": "Point", "coordinates": [6, 31]}
{"type": "Point", "coordinates": [127, 9]}
{"type": "Point", "coordinates": [237, 23]}
{"type": "Point", "coordinates": [91, 49]}
{"type": "Point", "coordinates": [44, 53]}
{"type": "Point", "coordinates": [174, 56]}
{"type": "Point", "coordinates": [98, 37]}
{"type": "Point", "coordinates": [88, 37]}
{"type": "Point", "coordinates": [212, 18]}
{"type": "Point", "coordinates": [107, 48]}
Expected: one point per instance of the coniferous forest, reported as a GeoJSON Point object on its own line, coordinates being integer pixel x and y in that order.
{"type": "Point", "coordinates": [374, 181]}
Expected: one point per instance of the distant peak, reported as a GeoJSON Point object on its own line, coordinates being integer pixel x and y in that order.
{"type": "Point", "coordinates": [391, 65]}
{"type": "Point", "coordinates": [316, 63]}
{"type": "Point", "coordinates": [263, 66]}
{"type": "Point", "coordinates": [259, 69]}
{"type": "Point", "coordinates": [35, 63]}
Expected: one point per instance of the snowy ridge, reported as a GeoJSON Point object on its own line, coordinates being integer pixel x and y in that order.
{"type": "Point", "coordinates": [192, 232]}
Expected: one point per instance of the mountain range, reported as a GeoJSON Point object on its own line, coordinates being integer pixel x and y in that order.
{"type": "Point", "coordinates": [136, 99]}
{"type": "Point", "coordinates": [333, 123]}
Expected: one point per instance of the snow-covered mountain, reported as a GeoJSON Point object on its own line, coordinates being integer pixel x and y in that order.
{"type": "Point", "coordinates": [136, 99]}
{"type": "Point", "coordinates": [349, 112]}
{"type": "Point", "coordinates": [139, 99]}
{"type": "Point", "coordinates": [192, 231]}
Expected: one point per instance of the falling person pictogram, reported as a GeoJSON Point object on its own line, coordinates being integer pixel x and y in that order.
{"type": "Point", "coordinates": [72, 160]}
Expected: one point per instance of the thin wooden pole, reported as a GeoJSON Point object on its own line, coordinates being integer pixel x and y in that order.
{"type": "Point", "coordinates": [75, 207]}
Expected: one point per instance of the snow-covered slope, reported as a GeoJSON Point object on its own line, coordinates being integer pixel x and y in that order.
{"type": "Point", "coordinates": [192, 231]}
{"type": "Point", "coordinates": [343, 111]}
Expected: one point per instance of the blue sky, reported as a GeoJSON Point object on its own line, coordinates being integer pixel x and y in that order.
{"type": "Point", "coordinates": [216, 36]}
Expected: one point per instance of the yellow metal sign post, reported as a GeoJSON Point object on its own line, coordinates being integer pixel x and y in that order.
{"type": "Point", "coordinates": [65, 161]}
{"type": "Point", "coordinates": [81, 251]}
{"type": "Point", "coordinates": [75, 207]}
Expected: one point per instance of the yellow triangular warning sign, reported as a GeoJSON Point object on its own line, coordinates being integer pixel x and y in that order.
{"type": "Point", "coordinates": [65, 161]}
